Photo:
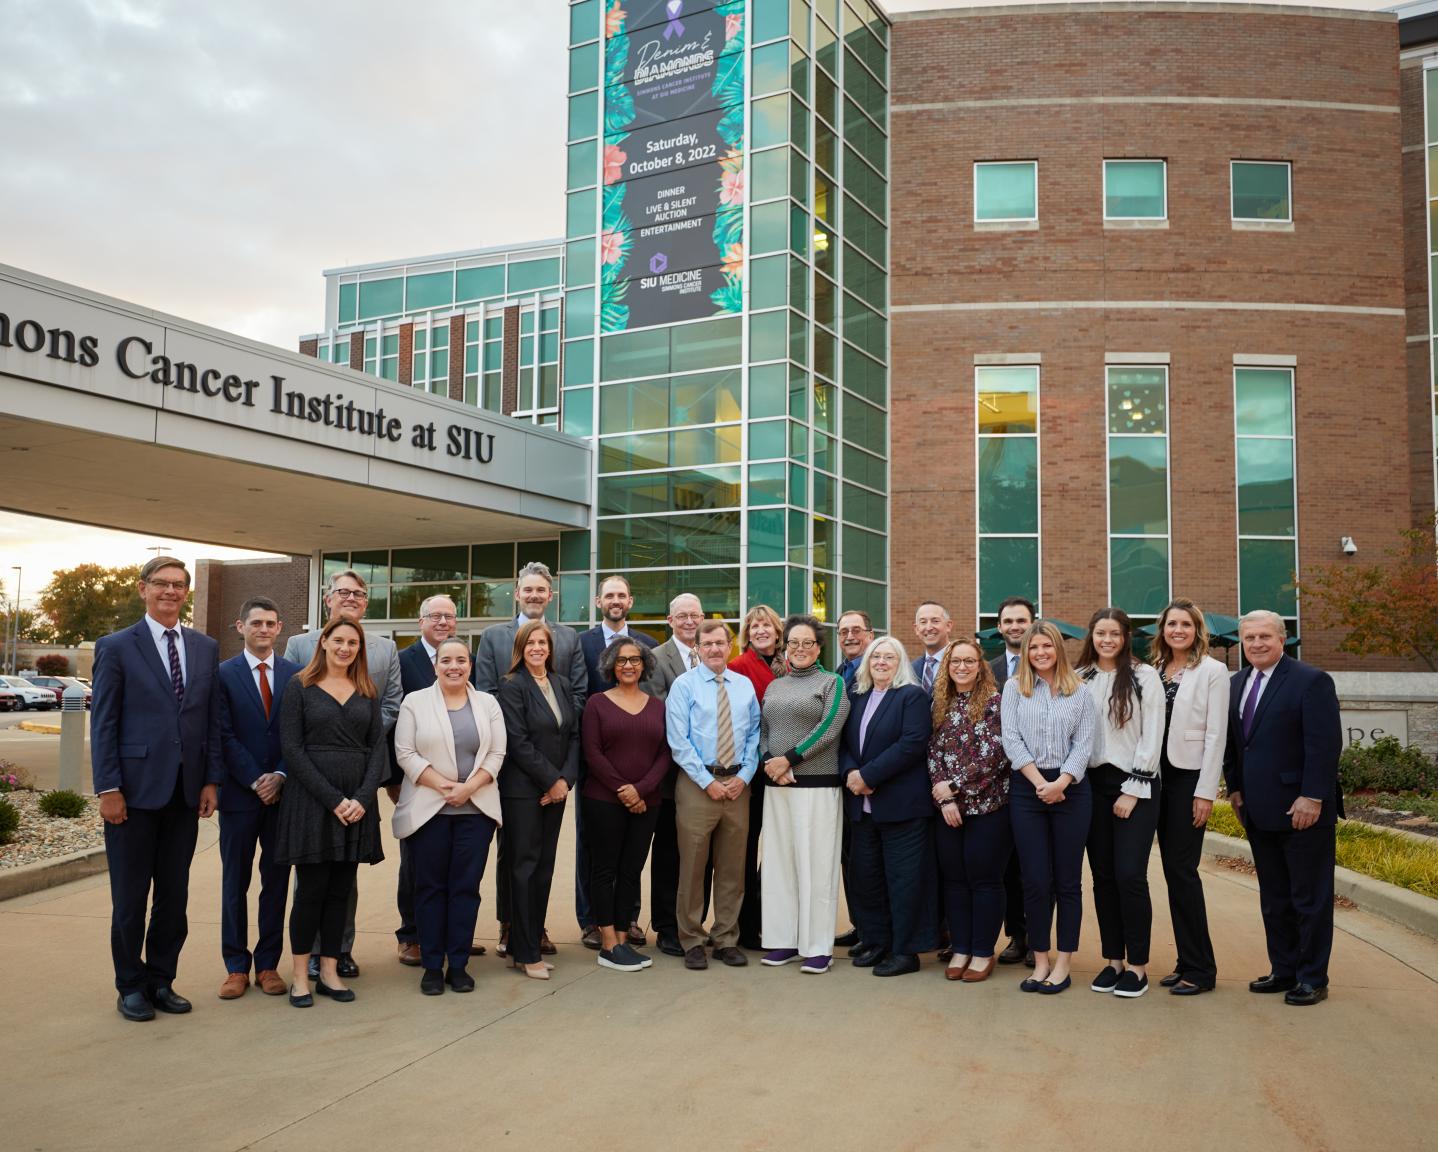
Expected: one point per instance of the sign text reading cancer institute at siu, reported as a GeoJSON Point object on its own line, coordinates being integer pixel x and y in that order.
{"type": "Point", "coordinates": [136, 359]}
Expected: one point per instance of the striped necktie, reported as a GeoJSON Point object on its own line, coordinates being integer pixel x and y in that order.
{"type": "Point", "coordinates": [724, 724]}
{"type": "Point", "coordinates": [177, 679]}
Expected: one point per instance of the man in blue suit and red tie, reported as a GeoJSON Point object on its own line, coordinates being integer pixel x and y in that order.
{"type": "Point", "coordinates": [155, 760]}
{"type": "Point", "coordinates": [1281, 765]}
{"type": "Point", "coordinates": [251, 687]}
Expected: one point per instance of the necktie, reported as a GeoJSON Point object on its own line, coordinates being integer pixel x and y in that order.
{"type": "Point", "coordinates": [1013, 663]}
{"type": "Point", "coordinates": [266, 696]}
{"type": "Point", "coordinates": [929, 662]}
{"type": "Point", "coordinates": [177, 679]}
{"type": "Point", "coordinates": [693, 658]}
{"type": "Point", "coordinates": [1250, 706]}
{"type": "Point", "coordinates": [724, 723]}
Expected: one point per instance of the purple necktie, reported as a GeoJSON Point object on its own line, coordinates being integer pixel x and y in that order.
{"type": "Point", "coordinates": [177, 681]}
{"type": "Point", "coordinates": [1250, 706]}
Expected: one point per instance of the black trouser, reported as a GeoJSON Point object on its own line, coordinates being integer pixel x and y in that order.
{"type": "Point", "coordinates": [240, 834]}
{"type": "Point", "coordinates": [153, 847]}
{"type": "Point", "coordinates": [664, 871]}
{"type": "Point", "coordinates": [322, 896]}
{"type": "Point", "coordinates": [1295, 893]}
{"type": "Point", "coordinates": [531, 842]}
{"type": "Point", "coordinates": [1014, 919]}
{"type": "Point", "coordinates": [618, 845]}
{"type": "Point", "coordinates": [583, 912]}
{"type": "Point", "coordinates": [501, 878]}
{"type": "Point", "coordinates": [408, 932]}
{"type": "Point", "coordinates": [448, 855]}
{"type": "Point", "coordinates": [751, 914]}
{"type": "Point", "coordinates": [1118, 852]}
{"type": "Point", "coordinates": [972, 859]}
{"type": "Point", "coordinates": [1050, 840]}
{"type": "Point", "coordinates": [893, 866]}
{"type": "Point", "coordinates": [1180, 845]}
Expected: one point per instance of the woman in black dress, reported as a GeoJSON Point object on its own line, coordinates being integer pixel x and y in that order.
{"type": "Point", "coordinates": [332, 737]}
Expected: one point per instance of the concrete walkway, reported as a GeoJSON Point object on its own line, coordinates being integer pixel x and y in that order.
{"type": "Point", "coordinates": [726, 1059]}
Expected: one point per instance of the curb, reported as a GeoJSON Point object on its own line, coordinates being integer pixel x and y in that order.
{"type": "Point", "coordinates": [39, 726]}
{"type": "Point", "coordinates": [44, 874]}
{"type": "Point", "coordinates": [1387, 900]}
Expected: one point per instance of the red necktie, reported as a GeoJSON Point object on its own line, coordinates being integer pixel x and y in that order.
{"type": "Point", "coordinates": [266, 696]}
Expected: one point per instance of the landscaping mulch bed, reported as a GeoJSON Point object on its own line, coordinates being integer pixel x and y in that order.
{"type": "Point", "coordinates": [42, 837]}
{"type": "Point", "coordinates": [1408, 821]}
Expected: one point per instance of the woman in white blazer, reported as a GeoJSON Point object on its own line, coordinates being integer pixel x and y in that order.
{"type": "Point", "coordinates": [1195, 687]}
{"type": "Point", "coordinates": [450, 742]}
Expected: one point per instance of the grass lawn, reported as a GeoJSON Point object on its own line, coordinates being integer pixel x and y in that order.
{"type": "Point", "coordinates": [1375, 852]}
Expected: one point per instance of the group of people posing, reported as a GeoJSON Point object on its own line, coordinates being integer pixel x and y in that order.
{"type": "Point", "coordinates": [947, 796]}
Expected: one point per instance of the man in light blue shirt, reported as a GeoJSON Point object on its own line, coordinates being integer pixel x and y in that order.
{"type": "Point", "coordinates": [714, 738]}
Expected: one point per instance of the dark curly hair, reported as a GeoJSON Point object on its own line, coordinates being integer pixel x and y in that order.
{"type": "Point", "coordinates": [611, 654]}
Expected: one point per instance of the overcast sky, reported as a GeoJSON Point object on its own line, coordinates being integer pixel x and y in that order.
{"type": "Point", "coordinates": [210, 160]}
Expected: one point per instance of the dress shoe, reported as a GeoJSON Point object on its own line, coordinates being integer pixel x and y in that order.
{"type": "Point", "coordinates": [312, 969]}
{"type": "Point", "coordinates": [546, 945]}
{"type": "Point", "coordinates": [590, 938]}
{"type": "Point", "coordinates": [431, 983]}
{"type": "Point", "coordinates": [899, 964]}
{"type": "Point", "coordinates": [236, 985]}
{"type": "Point", "coordinates": [1184, 988]}
{"type": "Point", "coordinates": [945, 955]}
{"type": "Point", "coordinates": [1304, 995]}
{"type": "Point", "coordinates": [670, 946]}
{"type": "Point", "coordinates": [1049, 988]}
{"type": "Point", "coordinates": [954, 972]}
{"type": "Point", "coordinates": [346, 967]}
{"type": "Point", "coordinates": [1171, 979]}
{"type": "Point", "coordinates": [636, 937]}
{"type": "Point", "coordinates": [848, 939]}
{"type": "Point", "coordinates": [731, 957]}
{"type": "Point", "coordinates": [695, 960]}
{"type": "Point", "coordinates": [338, 995]}
{"type": "Point", "coordinates": [535, 971]}
{"type": "Point", "coordinates": [134, 1006]}
{"type": "Point", "coordinates": [1272, 983]}
{"type": "Point", "coordinates": [269, 982]}
{"type": "Point", "coordinates": [477, 950]}
{"type": "Point", "coordinates": [751, 943]}
{"type": "Point", "coordinates": [409, 954]}
{"type": "Point", "coordinates": [870, 955]}
{"type": "Point", "coordinates": [502, 948]}
{"type": "Point", "coordinates": [459, 980]}
{"type": "Point", "coordinates": [165, 1000]}
{"type": "Point", "coordinates": [1016, 951]}
{"type": "Point", "coordinates": [306, 1000]}
{"type": "Point", "coordinates": [1029, 958]}
{"type": "Point", "coordinates": [974, 975]}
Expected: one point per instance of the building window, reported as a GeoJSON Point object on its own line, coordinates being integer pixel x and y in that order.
{"type": "Point", "coordinates": [389, 356]}
{"type": "Point", "coordinates": [431, 357]}
{"type": "Point", "coordinates": [1267, 501]}
{"type": "Point", "coordinates": [1007, 483]}
{"type": "Point", "coordinates": [1262, 190]}
{"type": "Point", "coordinates": [1006, 192]}
{"type": "Point", "coordinates": [1138, 505]}
{"type": "Point", "coordinates": [371, 346]}
{"type": "Point", "coordinates": [1135, 190]}
{"type": "Point", "coordinates": [538, 399]}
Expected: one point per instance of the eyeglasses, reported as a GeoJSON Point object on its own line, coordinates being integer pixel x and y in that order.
{"type": "Point", "coordinates": [802, 645]}
{"type": "Point", "coordinates": [440, 617]}
{"type": "Point", "coordinates": [628, 660]}
{"type": "Point", "coordinates": [168, 585]}
{"type": "Point", "coordinates": [349, 593]}
{"type": "Point", "coordinates": [687, 616]}
{"type": "Point", "coordinates": [852, 631]}
{"type": "Point", "coordinates": [964, 662]}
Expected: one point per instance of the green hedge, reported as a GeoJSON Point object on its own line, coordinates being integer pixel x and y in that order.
{"type": "Point", "coordinates": [9, 820]}
{"type": "Point", "coordinates": [1387, 767]}
{"type": "Point", "coordinates": [63, 803]}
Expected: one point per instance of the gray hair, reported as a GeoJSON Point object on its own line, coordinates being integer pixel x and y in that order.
{"type": "Point", "coordinates": [155, 564]}
{"type": "Point", "coordinates": [904, 674]}
{"type": "Point", "coordinates": [1263, 615]}
{"type": "Point", "coordinates": [535, 568]}
{"type": "Point", "coordinates": [352, 574]}
{"type": "Point", "coordinates": [428, 600]}
{"type": "Point", "coordinates": [931, 604]}
{"type": "Point", "coordinates": [685, 596]}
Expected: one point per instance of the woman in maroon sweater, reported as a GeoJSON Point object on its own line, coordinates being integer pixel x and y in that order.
{"type": "Point", "coordinates": [627, 752]}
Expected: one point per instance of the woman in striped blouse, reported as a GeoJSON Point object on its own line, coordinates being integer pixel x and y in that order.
{"type": "Point", "coordinates": [1048, 726]}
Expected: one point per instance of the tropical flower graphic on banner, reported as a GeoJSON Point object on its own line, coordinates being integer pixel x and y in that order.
{"type": "Point", "coordinates": [729, 220]}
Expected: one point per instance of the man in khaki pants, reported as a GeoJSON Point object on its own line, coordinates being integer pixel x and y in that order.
{"type": "Point", "coordinates": [713, 720]}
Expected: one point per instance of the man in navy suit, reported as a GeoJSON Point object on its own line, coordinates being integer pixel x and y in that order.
{"type": "Point", "coordinates": [933, 627]}
{"type": "Point", "coordinates": [1016, 615]}
{"type": "Point", "coordinates": [1281, 765]}
{"type": "Point", "coordinates": [155, 760]}
{"type": "Point", "coordinates": [615, 601]}
{"type": "Point", "coordinates": [251, 686]}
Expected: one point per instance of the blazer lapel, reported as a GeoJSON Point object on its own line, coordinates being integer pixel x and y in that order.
{"type": "Point", "coordinates": [1274, 686]}
{"type": "Point", "coordinates": [151, 657]}
{"type": "Point", "coordinates": [439, 713]}
{"type": "Point", "coordinates": [871, 734]}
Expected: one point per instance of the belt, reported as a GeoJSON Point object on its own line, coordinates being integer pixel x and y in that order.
{"type": "Point", "coordinates": [722, 772]}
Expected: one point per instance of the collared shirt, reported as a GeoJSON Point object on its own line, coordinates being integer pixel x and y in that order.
{"type": "Point", "coordinates": [255, 662]}
{"type": "Point", "coordinates": [1013, 660]}
{"type": "Point", "coordinates": [162, 646]}
{"type": "Point", "coordinates": [609, 636]}
{"type": "Point", "coordinates": [929, 670]}
{"type": "Point", "coordinates": [684, 650]}
{"type": "Point", "coordinates": [429, 649]}
{"type": "Point", "coordinates": [1048, 731]}
{"type": "Point", "coordinates": [1256, 685]}
{"type": "Point", "coordinates": [690, 722]}
{"type": "Point", "coordinates": [849, 669]}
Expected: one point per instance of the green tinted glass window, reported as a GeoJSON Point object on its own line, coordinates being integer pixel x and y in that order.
{"type": "Point", "coordinates": [865, 136]}
{"type": "Point", "coordinates": [1008, 566]}
{"type": "Point", "coordinates": [768, 389]}
{"type": "Point", "coordinates": [584, 21]}
{"type": "Point", "coordinates": [669, 491]}
{"type": "Point", "coordinates": [431, 290]}
{"type": "Point", "coordinates": [584, 67]}
{"type": "Point", "coordinates": [1008, 484]}
{"type": "Point", "coordinates": [1261, 191]}
{"type": "Point", "coordinates": [865, 279]}
{"type": "Point", "coordinates": [865, 468]}
{"type": "Point", "coordinates": [579, 412]}
{"type": "Point", "coordinates": [661, 542]}
{"type": "Point", "coordinates": [578, 362]}
{"type": "Point", "coordinates": [769, 120]}
{"type": "Point", "coordinates": [644, 353]}
{"type": "Point", "coordinates": [579, 312]}
{"type": "Point", "coordinates": [864, 507]}
{"type": "Point", "coordinates": [766, 536]}
{"type": "Point", "coordinates": [1265, 576]}
{"type": "Point", "coordinates": [578, 215]}
{"type": "Point", "coordinates": [1264, 401]}
{"type": "Point", "coordinates": [770, 68]}
{"type": "Point", "coordinates": [771, 19]}
{"type": "Point", "coordinates": [583, 115]}
{"type": "Point", "coordinates": [1006, 191]}
{"type": "Point", "coordinates": [534, 275]}
{"type": "Point", "coordinates": [865, 327]}
{"type": "Point", "coordinates": [573, 551]}
{"type": "Point", "coordinates": [579, 263]}
{"type": "Point", "coordinates": [866, 425]}
{"type": "Point", "coordinates": [1265, 487]}
{"type": "Point", "coordinates": [1137, 400]}
{"type": "Point", "coordinates": [769, 174]}
{"type": "Point", "coordinates": [865, 553]}
{"type": "Point", "coordinates": [766, 440]}
{"type": "Point", "coordinates": [381, 298]}
{"type": "Point", "coordinates": [1138, 485]}
{"type": "Point", "coordinates": [479, 283]}
{"type": "Point", "coordinates": [1138, 575]}
{"type": "Point", "coordinates": [769, 282]}
{"type": "Point", "coordinates": [348, 303]}
{"type": "Point", "coordinates": [769, 226]}
{"type": "Point", "coordinates": [711, 344]}
{"type": "Point", "coordinates": [424, 565]}
{"type": "Point", "coordinates": [868, 94]}
{"type": "Point", "coordinates": [766, 483]}
{"type": "Point", "coordinates": [865, 231]}
{"type": "Point", "coordinates": [1134, 190]}
{"type": "Point", "coordinates": [583, 165]}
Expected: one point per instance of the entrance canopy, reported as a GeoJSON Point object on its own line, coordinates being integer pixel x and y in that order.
{"type": "Point", "coordinates": [114, 415]}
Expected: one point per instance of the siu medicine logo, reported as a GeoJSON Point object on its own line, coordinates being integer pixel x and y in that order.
{"type": "Point", "coordinates": [661, 278]}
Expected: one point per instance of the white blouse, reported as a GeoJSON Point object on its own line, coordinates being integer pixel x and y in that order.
{"type": "Point", "coordinates": [1135, 748]}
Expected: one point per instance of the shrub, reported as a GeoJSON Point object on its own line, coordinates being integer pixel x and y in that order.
{"type": "Point", "coordinates": [8, 782]}
{"type": "Point", "coordinates": [63, 803]}
{"type": "Point", "coordinates": [13, 777]}
{"type": "Point", "coordinates": [53, 664]}
{"type": "Point", "coordinates": [9, 820]}
{"type": "Point", "coordinates": [1386, 767]}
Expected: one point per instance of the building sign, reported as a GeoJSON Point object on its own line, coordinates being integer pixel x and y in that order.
{"type": "Point", "coordinates": [1364, 727]}
{"type": "Point", "coordinates": [672, 233]}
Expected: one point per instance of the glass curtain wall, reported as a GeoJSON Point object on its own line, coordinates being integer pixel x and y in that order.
{"type": "Point", "coordinates": [1267, 494]}
{"type": "Point", "coordinates": [1138, 496]}
{"type": "Point", "coordinates": [1006, 404]}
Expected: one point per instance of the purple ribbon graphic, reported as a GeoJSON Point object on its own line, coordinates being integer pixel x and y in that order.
{"type": "Point", "coordinates": [674, 27]}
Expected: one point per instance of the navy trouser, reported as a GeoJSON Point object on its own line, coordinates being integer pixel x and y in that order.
{"type": "Point", "coordinates": [1050, 839]}
{"type": "Point", "coordinates": [582, 866]}
{"type": "Point", "coordinates": [1295, 894]}
{"type": "Point", "coordinates": [448, 854]}
{"type": "Point", "coordinates": [892, 865]}
{"type": "Point", "coordinates": [972, 861]}
{"type": "Point", "coordinates": [240, 834]}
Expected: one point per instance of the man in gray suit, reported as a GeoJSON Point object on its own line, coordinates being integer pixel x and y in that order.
{"type": "Point", "coordinates": [347, 598]}
{"type": "Point", "coordinates": [532, 593]}
{"type": "Point", "coordinates": [1015, 616]}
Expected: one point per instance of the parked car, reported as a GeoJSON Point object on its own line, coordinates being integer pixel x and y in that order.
{"type": "Point", "coordinates": [59, 684]}
{"type": "Point", "coordinates": [9, 699]}
{"type": "Point", "coordinates": [32, 695]}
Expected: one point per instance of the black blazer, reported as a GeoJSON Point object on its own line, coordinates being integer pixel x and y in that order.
{"type": "Point", "coordinates": [592, 642]}
{"type": "Point", "coordinates": [540, 751]}
{"type": "Point", "coordinates": [251, 741]}
{"type": "Point", "coordinates": [999, 666]}
{"type": "Point", "coordinates": [1292, 749]}
{"type": "Point", "coordinates": [895, 761]}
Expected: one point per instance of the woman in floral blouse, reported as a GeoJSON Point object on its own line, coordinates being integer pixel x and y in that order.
{"type": "Point", "coordinates": [970, 777]}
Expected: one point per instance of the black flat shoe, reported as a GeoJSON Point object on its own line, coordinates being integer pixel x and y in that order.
{"type": "Point", "coordinates": [134, 1006]}
{"type": "Point", "coordinates": [869, 956]}
{"type": "Point", "coordinates": [305, 1001]}
{"type": "Point", "coordinates": [1305, 995]}
{"type": "Point", "coordinates": [1170, 980]}
{"type": "Point", "coordinates": [1029, 984]}
{"type": "Point", "coordinates": [431, 983]}
{"type": "Point", "coordinates": [459, 980]}
{"type": "Point", "coordinates": [1049, 988]}
{"type": "Point", "coordinates": [338, 995]}
{"type": "Point", "coordinates": [165, 1000]}
{"type": "Point", "coordinates": [1272, 983]}
{"type": "Point", "coordinates": [899, 964]}
{"type": "Point", "coordinates": [1184, 988]}
{"type": "Point", "coordinates": [345, 967]}
{"type": "Point", "coordinates": [848, 939]}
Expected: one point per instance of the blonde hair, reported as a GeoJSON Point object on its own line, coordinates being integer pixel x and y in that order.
{"type": "Point", "coordinates": [903, 674]}
{"type": "Point", "coordinates": [1066, 680]}
{"type": "Point", "coordinates": [944, 691]}
{"type": "Point", "coordinates": [1162, 654]}
{"type": "Point", "coordinates": [761, 612]}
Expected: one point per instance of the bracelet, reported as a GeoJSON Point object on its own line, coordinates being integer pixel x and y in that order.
{"type": "Point", "coordinates": [954, 787]}
{"type": "Point", "coordinates": [946, 803]}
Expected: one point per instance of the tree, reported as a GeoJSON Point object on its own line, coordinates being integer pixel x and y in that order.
{"type": "Point", "coordinates": [90, 601]}
{"type": "Point", "coordinates": [1389, 608]}
{"type": "Point", "coordinates": [53, 664]}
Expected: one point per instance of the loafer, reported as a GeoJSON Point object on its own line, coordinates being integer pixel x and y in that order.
{"type": "Point", "coordinates": [695, 960]}
{"type": "Point", "coordinates": [636, 937]}
{"type": "Point", "coordinates": [1305, 995]}
{"type": "Point", "coordinates": [1105, 981]}
{"type": "Point", "coordinates": [869, 956]}
{"type": "Point", "coordinates": [816, 965]}
{"type": "Point", "coordinates": [236, 985]}
{"type": "Point", "coordinates": [165, 999]}
{"type": "Point", "coordinates": [779, 957]}
{"type": "Point", "coordinates": [897, 964]}
{"type": "Point", "coordinates": [731, 957]}
{"type": "Point", "coordinates": [305, 1001]}
{"type": "Point", "coordinates": [345, 966]}
{"type": "Point", "coordinates": [1049, 988]}
{"type": "Point", "coordinates": [617, 960]}
{"type": "Point", "coordinates": [269, 982]}
{"type": "Point", "coordinates": [858, 947]}
{"type": "Point", "coordinates": [1016, 951]}
{"type": "Point", "coordinates": [945, 955]}
{"type": "Point", "coordinates": [409, 954]}
{"type": "Point", "coordinates": [1130, 985]}
{"type": "Point", "coordinates": [670, 946]}
{"type": "Point", "coordinates": [431, 983]}
{"type": "Point", "coordinates": [590, 938]}
{"type": "Point", "coordinates": [848, 939]}
{"type": "Point", "coordinates": [1171, 979]}
{"type": "Point", "coordinates": [477, 950]}
{"type": "Point", "coordinates": [338, 995]}
{"type": "Point", "coordinates": [1184, 988]}
{"type": "Point", "coordinates": [459, 980]}
{"type": "Point", "coordinates": [134, 1006]}
{"type": "Point", "coordinates": [1272, 983]}
{"type": "Point", "coordinates": [546, 945]}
